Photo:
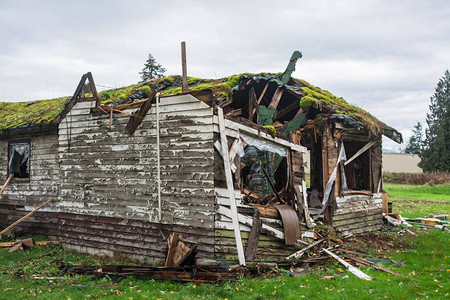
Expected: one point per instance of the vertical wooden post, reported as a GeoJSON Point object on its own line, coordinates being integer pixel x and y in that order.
{"type": "Point", "coordinates": [184, 87]}
{"type": "Point", "coordinates": [230, 186]}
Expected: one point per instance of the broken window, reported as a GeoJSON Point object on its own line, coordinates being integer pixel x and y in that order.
{"type": "Point", "coordinates": [19, 159]}
{"type": "Point", "coordinates": [264, 170]}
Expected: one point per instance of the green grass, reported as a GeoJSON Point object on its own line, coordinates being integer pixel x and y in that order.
{"type": "Point", "coordinates": [426, 272]}
{"type": "Point", "coordinates": [419, 201]}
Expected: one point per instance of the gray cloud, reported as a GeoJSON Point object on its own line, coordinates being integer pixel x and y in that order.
{"type": "Point", "coordinates": [384, 56]}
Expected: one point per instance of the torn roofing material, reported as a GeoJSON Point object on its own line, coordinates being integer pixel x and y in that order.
{"type": "Point", "coordinates": [314, 102]}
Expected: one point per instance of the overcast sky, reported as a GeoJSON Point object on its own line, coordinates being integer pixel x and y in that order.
{"type": "Point", "coordinates": [383, 56]}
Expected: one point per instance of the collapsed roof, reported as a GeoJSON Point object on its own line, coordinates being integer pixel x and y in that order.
{"type": "Point", "coordinates": [281, 105]}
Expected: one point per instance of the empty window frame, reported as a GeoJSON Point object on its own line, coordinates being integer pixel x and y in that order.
{"type": "Point", "coordinates": [357, 172]}
{"type": "Point", "coordinates": [19, 159]}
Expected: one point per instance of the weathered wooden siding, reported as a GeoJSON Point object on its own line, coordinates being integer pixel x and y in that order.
{"type": "Point", "coordinates": [358, 213]}
{"type": "Point", "coordinates": [109, 173]}
{"type": "Point", "coordinates": [270, 245]}
{"type": "Point", "coordinates": [21, 197]}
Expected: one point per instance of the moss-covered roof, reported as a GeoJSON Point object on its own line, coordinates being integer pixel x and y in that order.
{"type": "Point", "coordinates": [32, 113]}
{"type": "Point", "coordinates": [17, 114]}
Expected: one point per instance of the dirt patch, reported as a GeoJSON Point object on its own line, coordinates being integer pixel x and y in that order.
{"type": "Point", "coordinates": [378, 243]}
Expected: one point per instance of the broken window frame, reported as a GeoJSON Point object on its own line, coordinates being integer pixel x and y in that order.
{"type": "Point", "coordinates": [28, 167]}
{"type": "Point", "coordinates": [366, 166]}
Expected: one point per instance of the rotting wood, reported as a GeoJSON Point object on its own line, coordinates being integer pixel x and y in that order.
{"type": "Point", "coordinates": [191, 274]}
{"type": "Point", "coordinates": [253, 238]}
{"type": "Point", "coordinates": [301, 252]}
{"type": "Point", "coordinates": [291, 224]}
{"type": "Point", "coordinates": [355, 271]}
{"type": "Point", "coordinates": [6, 183]}
{"type": "Point", "coordinates": [303, 197]}
{"type": "Point", "coordinates": [230, 186]}
{"type": "Point", "coordinates": [267, 211]}
{"type": "Point", "coordinates": [373, 265]}
{"type": "Point", "coordinates": [26, 216]}
{"type": "Point", "coordinates": [172, 243]}
{"type": "Point", "coordinates": [134, 122]}
{"type": "Point", "coordinates": [40, 243]}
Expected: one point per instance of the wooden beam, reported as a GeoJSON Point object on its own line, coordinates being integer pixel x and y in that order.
{"type": "Point", "coordinates": [6, 183]}
{"type": "Point", "coordinates": [287, 109]}
{"type": "Point", "coordinates": [276, 97]}
{"type": "Point", "coordinates": [351, 268]}
{"type": "Point", "coordinates": [263, 92]}
{"type": "Point", "coordinates": [134, 121]}
{"type": "Point", "coordinates": [300, 253]}
{"type": "Point", "coordinates": [253, 103]}
{"type": "Point", "coordinates": [26, 216]}
{"type": "Point", "coordinates": [184, 86]}
{"type": "Point", "coordinates": [373, 265]}
{"type": "Point", "coordinates": [253, 237]}
{"type": "Point", "coordinates": [93, 88]}
{"type": "Point", "coordinates": [360, 151]}
{"type": "Point", "coordinates": [230, 186]}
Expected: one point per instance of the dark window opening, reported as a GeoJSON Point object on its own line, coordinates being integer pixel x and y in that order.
{"type": "Point", "coordinates": [19, 156]}
{"type": "Point", "coordinates": [262, 171]}
{"type": "Point", "coordinates": [357, 172]}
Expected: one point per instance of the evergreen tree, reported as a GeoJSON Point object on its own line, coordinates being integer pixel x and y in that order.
{"type": "Point", "coordinates": [151, 69]}
{"type": "Point", "coordinates": [435, 154]}
{"type": "Point", "coordinates": [415, 141]}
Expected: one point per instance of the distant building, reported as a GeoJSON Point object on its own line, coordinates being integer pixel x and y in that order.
{"type": "Point", "coordinates": [392, 162]}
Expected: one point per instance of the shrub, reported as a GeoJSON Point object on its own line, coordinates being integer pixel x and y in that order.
{"type": "Point", "coordinates": [417, 178]}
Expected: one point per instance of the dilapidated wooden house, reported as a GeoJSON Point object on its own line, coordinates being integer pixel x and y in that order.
{"type": "Point", "coordinates": [127, 167]}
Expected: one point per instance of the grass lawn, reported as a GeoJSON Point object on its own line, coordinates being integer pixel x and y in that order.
{"type": "Point", "coordinates": [414, 201]}
{"type": "Point", "coordinates": [426, 274]}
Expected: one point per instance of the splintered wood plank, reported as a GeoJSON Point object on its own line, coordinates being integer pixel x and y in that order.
{"type": "Point", "coordinates": [230, 185]}
{"type": "Point", "coordinates": [172, 243]}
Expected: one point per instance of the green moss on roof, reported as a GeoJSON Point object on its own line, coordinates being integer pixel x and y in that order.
{"type": "Point", "coordinates": [324, 98]}
{"type": "Point", "coordinates": [16, 114]}
{"type": "Point", "coordinates": [43, 112]}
